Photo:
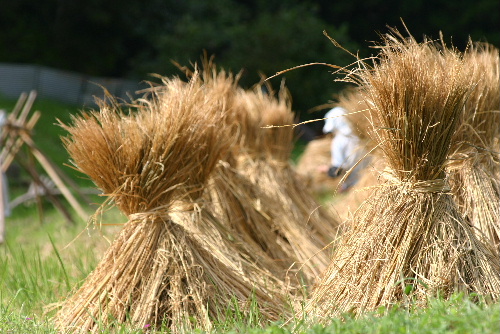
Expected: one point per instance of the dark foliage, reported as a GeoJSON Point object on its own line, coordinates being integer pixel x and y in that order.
{"type": "Point", "coordinates": [133, 39]}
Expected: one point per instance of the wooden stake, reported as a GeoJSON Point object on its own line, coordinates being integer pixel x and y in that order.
{"type": "Point", "coordinates": [30, 168]}
{"type": "Point", "coordinates": [47, 165]}
{"type": "Point", "coordinates": [18, 132]}
{"type": "Point", "coordinates": [2, 211]}
{"type": "Point", "coordinates": [14, 143]}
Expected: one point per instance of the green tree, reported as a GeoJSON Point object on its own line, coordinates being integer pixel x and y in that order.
{"type": "Point", "coordinates": [262, 39]}
{"type": "Point", "coordinates": [132, 39]}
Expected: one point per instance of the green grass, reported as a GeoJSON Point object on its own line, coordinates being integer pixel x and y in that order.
{"type": "Point", "coordinates": [40, 264]}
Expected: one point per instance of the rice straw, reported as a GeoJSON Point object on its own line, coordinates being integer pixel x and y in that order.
{"type": "Point", "coordinates": [409, 239]}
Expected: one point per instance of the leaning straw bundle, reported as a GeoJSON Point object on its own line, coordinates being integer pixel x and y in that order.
{"type": "Point", "coordinates": [476, 160]}
{"type": "Point", "coordinates": [316, 153]}
{"type": "Point", "coordinates": [172, 263]}
{"type": "Point", "coordinates": [359, 116]}
{"type": "Point", "coordinates": [259, 274]}
{"type": "Point", "coordinates": [232, 198]}
{"type": "Point", "coordinates": [235, 201]}
{"type": "Point", "coordinates": [347, 203]}
{"type": "Point", "coordinates": [409, 237]}
{"type": "Point", "coordinates": [264, 160]}
{"type": "Point", "coordinates": [363, 122]}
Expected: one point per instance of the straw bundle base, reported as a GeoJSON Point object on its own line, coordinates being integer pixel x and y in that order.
{"type": "Point", "coordinates": [147, 277]}
{"type": "Point", "coordinates": [158, 272]}
{"type": "Point", "coordinates": [477, 192]}
{"type": "Point", "coordinates": [420, 241]}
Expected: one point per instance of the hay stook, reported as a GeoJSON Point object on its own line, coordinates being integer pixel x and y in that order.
{"type": "Point", "coordinates": [275, 235]}
{"type": "Point", "coordinates": [475, 160]}
{"type": "Point", "coordinates": [409, 237]}
{"type": "Point", "coordinates": [173, 263]}
{"type": "Point", "coordinates": [304, 225]}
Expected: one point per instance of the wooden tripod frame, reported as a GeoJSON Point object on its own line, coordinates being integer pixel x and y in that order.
{"type": "Point", "coordinates": [15, 133]}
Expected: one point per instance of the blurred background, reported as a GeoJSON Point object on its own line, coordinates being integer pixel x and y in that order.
{"type": "Point", "coordinates": [133, 39]}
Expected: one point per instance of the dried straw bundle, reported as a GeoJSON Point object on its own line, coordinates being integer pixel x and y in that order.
{"type": "Point", "coordinates": [347, 203]}
{"type": "Point", "coordinates": [363, 122]}
{"type": "Point", "coordinates": [265, 161]}
{"type": "Point", "coordinates": [317, 153]}
{"type": "Point", "coordinates": [475, 160]}
{"type": "Point", "coordinates": [231, 197]}
{"type": "Point", "coordinates": [409, 237]}
{"type": "Point", "coordinates": [359, 117]}
{"type": "Point", "coordinates": [172, 262]}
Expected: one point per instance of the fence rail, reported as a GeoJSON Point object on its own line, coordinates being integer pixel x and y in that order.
{"type": "Point", "coordinates": [64, 86]}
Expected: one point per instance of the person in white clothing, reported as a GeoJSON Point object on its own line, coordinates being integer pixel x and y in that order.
{"type": "Point", "coordinates": [345, 151]}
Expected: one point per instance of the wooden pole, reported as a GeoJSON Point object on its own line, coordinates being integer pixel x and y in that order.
{"type": "Point", "coordinates": [30, 168]}
{"type": "Point", "coordinates": [43, 160]}
{"type": "Point", "coordinates": [2, 211]}
{"type": "Point", "coordinates": [15, 134]}
{"type": "Point", "coordinates": [2, 199]}
{"type": "Point", "coordinates": [14, 143]}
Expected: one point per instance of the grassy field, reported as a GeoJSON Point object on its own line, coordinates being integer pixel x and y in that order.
{"type": "Point", "coordinates": [41, 262]}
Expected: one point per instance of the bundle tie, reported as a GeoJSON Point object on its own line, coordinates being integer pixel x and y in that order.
{"type": "Point", "coordinates": [436, 186]}
{"type": "Point", "coordinates": [470, 159]}
{"type": "Point", "coordinates": [164, 213]}
{"type": "Point", "coordinates": [151, 216]}
{"type": "Point", "coordinates": [439, 186]}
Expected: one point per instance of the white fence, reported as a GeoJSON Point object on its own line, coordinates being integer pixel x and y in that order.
{"type": "Point", "coordinates": [64, 86]}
